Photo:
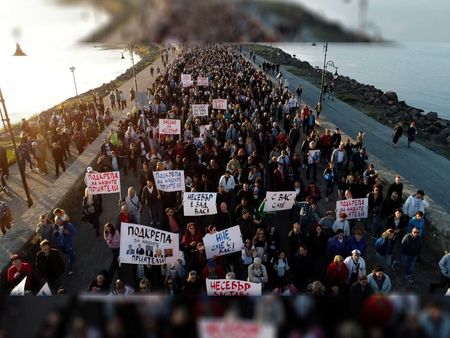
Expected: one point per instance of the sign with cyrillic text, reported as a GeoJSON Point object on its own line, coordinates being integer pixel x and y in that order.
{"type": "Point", "coordinates": [202, 81]}
{"type": "Point", "coordinates": [199, 203]}
{"type": "Point", "coordinates": [219, 104]}
{"type": "Point", "coordinates": [140, 244]}
{"type": "Point", "coordinates": [279, 200]}
{"type": "Point", "coordinates": [103, 183]}
{"type": "Point", "coordinates": [236, 328]}
{"type": "Point", "coordinates": [199, 110]}
{"type": "Point", "coordinates": [232, 287]}
{"type": "Point", "coordinates": [169, 127]}
{"type": "Point", "coordinates": [169, 180]}
{"type": "Point", "coordinates": [223, 242]}
{"type": "Point", "coordinates": [354, 208]}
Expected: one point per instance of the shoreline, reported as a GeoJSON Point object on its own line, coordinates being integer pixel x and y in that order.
{"type": "Point", "coordinates": [148, 55]}
{"type": "Point", "coordinates": [384, 107]}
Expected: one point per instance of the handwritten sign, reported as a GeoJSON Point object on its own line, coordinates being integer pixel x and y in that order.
{"type": "Point", "coordinates": [199, 110]}
{"type": "Point", "coordinates": [199, 203]}
{"type": "Point", "coordinates": [140, 244]}
{"type": "Point", "coordinates": [354, 208]}
{"type": "Point", "coordinates": [169, 127]}
{"type": "Point", "coordinates": [103, 183]}
{"type": "Point", "coordinates": [279, 200]}
{"type": "Point", "coordinates": [223, 242]}
{"type": "Point", "coordinates": [169, 180]}
{"type": "Point", "coordinates": [219, 104]}
{"type": "Point", "coordinates": [232, 287]}
{"type": "Point", "coordinates": [236, 328]}
{"type": "Point", "coordinates": [202, 81]}
{"type": "Point", "coordinates": [186, 80]}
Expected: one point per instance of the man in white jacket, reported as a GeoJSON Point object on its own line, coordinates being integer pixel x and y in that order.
{"type": "Point", "coordinates": [356, 266]}
{"type": "Point", "coordinates": [415, 203]}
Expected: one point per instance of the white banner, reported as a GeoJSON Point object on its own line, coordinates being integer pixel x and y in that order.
{"type": "Point", "coordinates": [236, 328]}
{"type": "Point", "coordinates": [223, 242]}
{"type": "Point", "coordinates": [219, 104]}
{"type": "Point", "coordinates": [103, 183]}
{"type": "Point", "coordinates": [169, 180]}
{"type": "Point", "coordinates": [354, 208]}
{"type": "Point", "coordinates": [169, 127]}
{"type": "Point", "coordinates": [200, 110]}
{"type": "Point", "coordinates": [232, 287]}
{"type": "Point", "coordinates": [19, 290]}
{"type": "Point", "coordinates": [44, 291]}
{"type": "Point", "coordinates": [202, 81]}
{"type": "Point", "coordinates": [140, 244]}
{"type": "Point", "coordinates": [199, 203]}
{"type": "Point", "coordinates": [186, 80]}
{"type": "Point", "coordinates": [279, 200]}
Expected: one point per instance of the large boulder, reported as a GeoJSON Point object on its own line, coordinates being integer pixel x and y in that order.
{"type": "Point", "coordinates": [432, 130]}
{"type": "Point", "coordinates": [391, 96]}
{"type": "Point", "coordinates": [444, 132]}
{"type": "Point", "coordinates": [432, 116]}
{"type": "Point", "coordinates": [441, 124]}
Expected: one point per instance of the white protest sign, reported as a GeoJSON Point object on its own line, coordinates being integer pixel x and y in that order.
{"type": "Point", "coordinates": [199, 203]}
{"type": "Point", "coordinates": [103, 183]}
{"type": "Point", "coordinates": [169, 127]}
{"type": "Point", "coordinates": [199, 110]}
{"type": "Point", "coordinates": [223, 242]}
{"type": "Point", "coordinates": [186, 80]}
{"type": "Point", "coordinates": [236, 328]}
{"type": "Point", "coordinates": [19, 290]}
{"type": "Point", "coordinates": [202, 81]}
{"type": "Point", "coordinates": [140, 244]}
{"type": "Point", "coordinates": [354, 208]}
{"type": "Point", "coordinates": [44, 291]}
{"type": "Point", "coordinates": [279, 200]}
{"type": "Point", "coordinates": [169, 180]}
{"type": "Point", "coordinates": [219, 104]}
{"type": "Point", "coordinates": [232, 287]}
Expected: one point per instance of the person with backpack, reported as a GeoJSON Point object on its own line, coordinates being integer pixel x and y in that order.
{"type": "Point", "coordinates": [5, 217]}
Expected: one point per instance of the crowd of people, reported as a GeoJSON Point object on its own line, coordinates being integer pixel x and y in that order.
{"type": "Point", "coordinates": [254, 146]}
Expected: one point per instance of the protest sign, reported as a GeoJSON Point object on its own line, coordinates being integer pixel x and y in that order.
{"type": "Point", "coordinates": [236, 328]}
{"type": "Point", "coordinates": [44, 291]}
{"type": "Point", "coordinates": [232, 287]}
{"type": "Point", "coordinates": [169, 127]}
{"type": "Point", "coordinates": [19, 290]}
{"type": "Point", "coordinates": [279, 200]}
{"type": "Point", "coordinates": [199, 110]}
{"type": "Point", "coordinates": [103, 183]}
{"type": "Point", "coordinates": [219, 104]}
{"type": "Point", "coordinates": [140, 244]}
{"type": "Point", "coordinates": [199, 203]}
{"type": "Point", "coordinates": [169, 180]}
{"type": "Point", "coordinates": [354, 208]}
{"type": "Point", "coordinates": [313, 156]}
{"type": "Point", "coordinates": [223, 242]}
{"type": "Point", "coordinates": [186, 80]}
{"type": "Point", "coordinates": [202, 81]}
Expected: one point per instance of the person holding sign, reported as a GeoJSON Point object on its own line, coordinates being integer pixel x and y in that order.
{"type": "Point", "coordinates": [18, 271]}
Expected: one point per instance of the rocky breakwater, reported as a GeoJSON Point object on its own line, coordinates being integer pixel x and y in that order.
{"type": "Point", "coordinates": [385, 107]}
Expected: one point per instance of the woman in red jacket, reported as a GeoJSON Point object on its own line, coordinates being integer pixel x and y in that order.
{"type": "Point", "coordinates": [191, 237]}
{"type": "Point", "coordinates": [337, 273]}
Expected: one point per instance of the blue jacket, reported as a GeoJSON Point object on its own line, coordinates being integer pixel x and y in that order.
{"type": "Point", "coordinates": [384, 246]}
{"type": "Point", "coordinates": [420, 224]}
{"type": "Point", "coordinates": [335, 247]}
{"type": "Point", "coordinates": [352, 244]}
{"type": "Point", "coordinates": [65, 240]}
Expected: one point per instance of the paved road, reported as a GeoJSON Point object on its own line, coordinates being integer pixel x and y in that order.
{"type": "Point", "coordinates": [422, 167]}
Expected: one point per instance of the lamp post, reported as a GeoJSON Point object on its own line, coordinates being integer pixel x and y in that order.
{"type": "Point", "coordinates": [72, 69]}
{"type": "Point", "coordinates": [134, 71]}
{"type": "Point", "coordinates": [19, 162]}
{"type": "Point", "coordinates": [325, 49]}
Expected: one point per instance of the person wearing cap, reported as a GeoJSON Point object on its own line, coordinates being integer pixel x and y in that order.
{"type": "Point", "coordinates": [18, 271]}
{"type": "Point", "coordinates": [415, 203]}
{"type": "Point", "coordinates": [49, 265]}
{"type": "Point", "coordinates": [379, 282]}
{"type": "Point", "coordinates": [356, 266]}
{"type": "Point", "coordinates": [341, 223]}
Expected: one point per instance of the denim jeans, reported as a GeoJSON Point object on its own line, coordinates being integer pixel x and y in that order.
{"type": "Point", "coordinates": [410, 264]}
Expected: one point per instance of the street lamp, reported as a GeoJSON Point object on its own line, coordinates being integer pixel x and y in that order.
{"type": "Point", "coordinates": [331, 63]}
{"type": "Point", "coordinates": [19, 162]}
{"type": "Point", "coordinates": [72, 69]}
{"type": "Point", "coordinates": [325, 49]}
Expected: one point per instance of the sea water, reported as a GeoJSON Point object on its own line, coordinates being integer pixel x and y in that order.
{"type": "Point", "coordinates": [48, 34]}
{"type": "Point", "coordinates": [418, 72]}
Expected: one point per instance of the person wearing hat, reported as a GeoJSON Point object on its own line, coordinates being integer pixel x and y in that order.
{"type": "Point", "coordinates": [379, 282]}
{"type": "Point", "coordinates": [415, 203]}
{"type": "Point", "coordinates": [18, 271]}
{"type": "Point", "coordinates": [356, 266]}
